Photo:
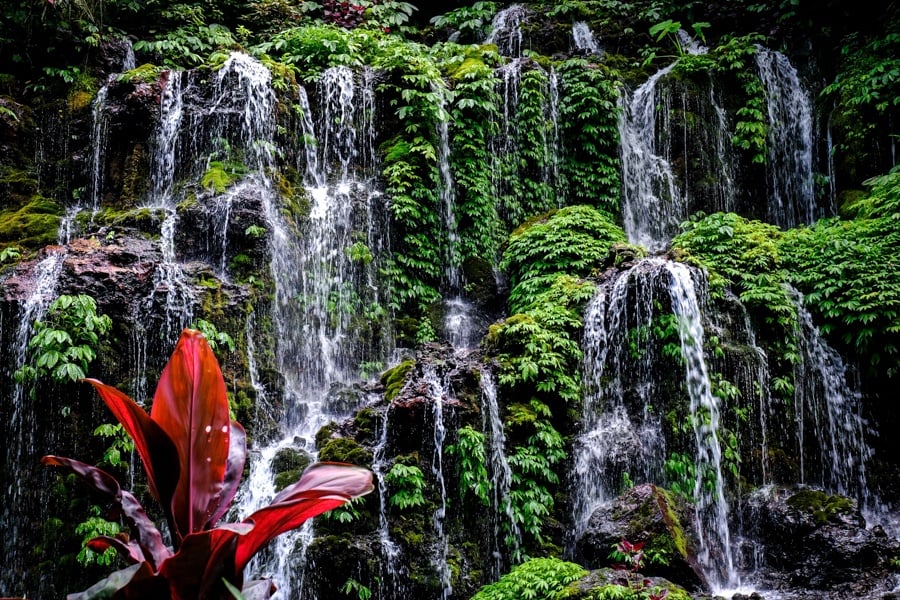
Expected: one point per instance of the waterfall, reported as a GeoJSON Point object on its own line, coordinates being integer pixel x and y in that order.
{"type": "Point", "coordinates": [830, 427]}
{"type": "Point", "coordinates": [169, 276]}
{"type": "Point", "coordinates": [792, 199]}
{"type": "Point", "coordinates": [447, 189]}
{"type": "Point", "coordinates": [622, 437]}
{"type": "Point", "coordinates": [390, 583]}
{"type": "Point", "coordinates": [99, 141]}
{"type": "Point", "coordinates": [459, 325]}
{"type": "Point", "coordinates": [506, 30]}
{"type": "Point", "coordinates": [652, 204]}
{"type": "Point", "coordinates": [502, 519]}
{"type": "Point", "coordinates": [710, 506]}
{"type": "Point", "coordinates": [437, 389]}
{"type": "Point", "coordinates": [583, 38]}
{"type": "Point", "coordinates": [322, 287]}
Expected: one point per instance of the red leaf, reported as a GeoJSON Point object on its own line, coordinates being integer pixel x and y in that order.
{"type": "Point", "coordinates": [154, 446]}
{"type": "Point", "coordinates": [130, 550]}
{"type": "Point", "coordinates": [234, 469]}
{"type": "Point", "coordinates": [202, 561]}
{"type": "Point", "coordinates": [191, 405]}
{"type": "Point", "coordinates": [322, 487]}
{"type": "Point", "coordinates": [131, 583]}
{"type": "Point", "coordinates": [146, 533]}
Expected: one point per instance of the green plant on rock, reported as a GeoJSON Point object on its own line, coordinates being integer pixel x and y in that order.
{"type": "Point", "coordinates": [471, 21]}
{"type": "Point", "coordinates": [408, 481]}
{"type": "Point", "coordinates": [589, 112]}
{"type": "Point", "coordinates": [574, 240]}
{"type": "Point", "coordinates": [535, 579]}
{"type": "Point", "coordinates": [65, 341]}
{"type": "Point", "coordinates": [220, 175]}
{"type": "Point", "coordinates": [217, 339]}
{"type": "Point", "coordinates": [353, 588]}
{"type": "Point", "coordinates": [848, 272]}
{"type": "Point", "coordinates": [190, 41]}
{"type": "Point", "coordinates": [473, 474]}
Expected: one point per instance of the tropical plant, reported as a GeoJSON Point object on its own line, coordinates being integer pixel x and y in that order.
{"type": "Point", "coordinates": [409, 483]}
{"type": "Point", "coordinates": [65, 340]}
{"type": "Point", "coordinates": [535, 579]}
{"type": "Point", "coordinates": [193, 455]}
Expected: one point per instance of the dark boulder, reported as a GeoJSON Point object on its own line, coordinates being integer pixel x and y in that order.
{"type": "Point", "coordinates": [649, 514]}
{"type": "Point", "coordinates": [816, 541]}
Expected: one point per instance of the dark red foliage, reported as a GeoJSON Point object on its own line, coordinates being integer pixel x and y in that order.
{"type": "Point", "coordinates": [194, 456]}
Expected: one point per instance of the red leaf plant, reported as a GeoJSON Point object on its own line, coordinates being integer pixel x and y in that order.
{"type": "Point", "coordinates": [194, 455]}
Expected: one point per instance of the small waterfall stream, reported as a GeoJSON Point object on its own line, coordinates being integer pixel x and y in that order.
{"type": "Point", "coordinates": [437, 389]}
{"type": "Point", "coordinates": [583, 38]}
{"type": "Point", "coordinates": [622, 432]}
{"type": "Point", "coordinates": [792, 199]}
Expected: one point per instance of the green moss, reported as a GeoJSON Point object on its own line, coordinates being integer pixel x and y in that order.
{"type": "Point", "coordinates": [33, 225]}
{"type": "Point", "coordinates": [220, 175]}
{"type": "Point", "coordinates": [393, 379]}
{"type": "Point", "coordinates": [819, 505]}
{"type": "Point", "coordinates": [345, 450]}
{"type": "Point", "coordinates": [145, 73]}
{"type": "Point", "coordinates": [365, 421]}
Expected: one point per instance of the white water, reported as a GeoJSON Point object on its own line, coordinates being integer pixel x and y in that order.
{"type": "Point", "coordinates": [438, 391]}
{"type": "Point", "coordinates": [504, 528]}
{"type": "Point", "coordinates": [621, 428]}
{"type": "Point", "coordinates": [392, 572]}
{"type": "Point", "coordinates": [652, 203]}
{"type": "Point", "coordinates": [710, 508]}
{"type": "Point", "coordinates": [583, 38]}
{"type": "Point", "coordinates": [791, 193]}
{"type": "Point", "coordinates": [447, 193]}
{"type": "Point", "coordinates": [506, 30]}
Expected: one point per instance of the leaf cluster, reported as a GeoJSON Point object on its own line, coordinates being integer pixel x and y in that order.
{"type": "Point", "coordinates": [408, 481]}
{"type": "Point", "coordinates": [535, 579]}
{"type": "Point", "coordinates": [66, 340]}
{"type": "Point", "coordinates": [472, 459]}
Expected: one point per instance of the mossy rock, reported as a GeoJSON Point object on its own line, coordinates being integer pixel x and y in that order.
{"type": "Point", "coordinates": [345, 450]}
{"type": "Point", "coordinates": [33, 225]}
{"type": "Point", "coordinates": [393, 379]}
{"type": "Point", "coordinates": [145, 73]}
{"type": "Point", "coordinates": [611, 584]}
{"type": "Point", "coordinates": [820, 506]}
{"type": "Point", "coordinates": [290, 459]}
{"type": "Point", "coordinates": [365, 421]}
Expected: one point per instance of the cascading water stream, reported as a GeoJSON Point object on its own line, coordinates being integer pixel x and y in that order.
{"type": "Point", "coordinates": [169, 276]}
{"type": "Point", "coordinates": [583, 38]}
{"type": "Point", "coordinates": [390, 583]}
{"type": "Point", "coordinates": [20, 433]}
{"type": "Point", "coordinates": [621, 428]}
{"type": "Point", "coordinates": [438, 391]}
{"type": "Point", "coordinates": [505, 529]}
{"type": "Point", "coordinates": [710, 506]}
{"type": "Point", "coordinates": [506, 30]}
{"type": "Point", "coordinates": [652, 203]}
{"type": "Point", "coordinates": [791, 192]}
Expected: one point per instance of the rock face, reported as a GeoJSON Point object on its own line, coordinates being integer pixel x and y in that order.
{"type": "Point", "coordinates": [818, 543]}
{"type": "Point", "coordinates": [649, 514]}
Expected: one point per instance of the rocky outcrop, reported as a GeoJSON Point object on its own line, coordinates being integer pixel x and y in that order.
{"type": "Point", "coordinates": [818, 543]}
{"type": "Point", "coordinates": [649, 514]}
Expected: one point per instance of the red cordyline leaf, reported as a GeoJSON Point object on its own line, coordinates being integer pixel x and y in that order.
{"type": "Point", "coordinates": [234, 469]}
{"type": "Point", "coordinates": [153, 550]}
{"type": "Point", "coordinates": [322, 486]}
{"type": "Point", "coordinates": [191, 406]}
{"type": "Point", "coordinates": [153, 445]}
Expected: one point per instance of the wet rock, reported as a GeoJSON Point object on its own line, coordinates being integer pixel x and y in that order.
{"type": "Point", "coordinates": [648, 514]}
{"type": "Point", "coordinates": [818, 541]}
{"type": "Point", "coordinates": [614, 583]}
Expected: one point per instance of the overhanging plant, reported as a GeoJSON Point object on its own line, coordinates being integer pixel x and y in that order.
{"type": "Point", "coordinates": [194, 456]}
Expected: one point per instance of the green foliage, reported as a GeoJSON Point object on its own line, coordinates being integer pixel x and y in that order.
{"type": "Point", "coordinates": [589, 111]}
{"type": "Point", "coordinates": [119, 444]}
{"type": "Point", "coordinates": [408, 482]}
{"type": "Point", "coordinates": [65, 342]}
{"type": "Point", "coordinates": [733, 57]}
{"type": "Point", "coordinates": [10, 254]}
{"type": "Point", "coordinates": [747, 256]}
{"type": "Point", "coordinates": [534, 477]}
{"type": "Point", "coordinates": [216, 339]}
{"type": "Point", "coordinates": [353, 588]}
{"type": "Point", "coordinates": [471, 21]}
{"type": "Point", "coordinates": [473, 474]}
{"type": "Point", "coordinates": [681, 473]}
{"type": "Point", "coordinates": [573, 240]}
{"type": "Point", "coordinates": [94, 526]}
{"type": "Point", "coordinates": [255, 231]}
{"type": "Point", "coordinates": [848, 272]}
{"type": "Point", "coordinates": [535, 579]}
{"type": "Point", "coordinates": [220, 175]}
{"type": "Point", "coordinates": [865, 93]}
{"type": "Point", "coordinates": [191, 39]}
